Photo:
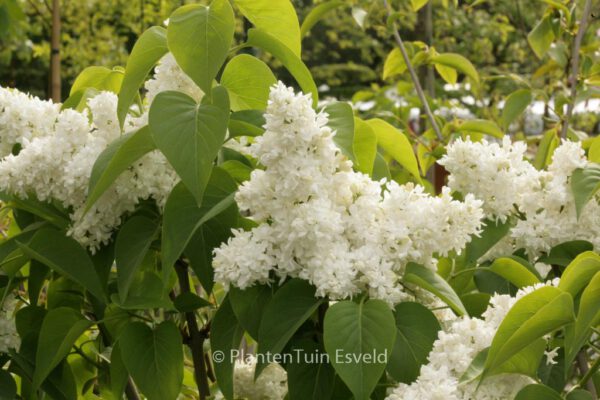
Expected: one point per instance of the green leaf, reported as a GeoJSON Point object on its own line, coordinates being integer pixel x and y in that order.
{"type": "Point", "coordinates": [515, 104]}
{"type": "Point", "coordinates": [418, 4]}
{"type": "Point", "coordinates": [37, 278]}
{"type": "Point", "coordinates": [132, 244]}
{"type": "Point", "coordinates": [536, 391]}
{"type": "Point", "coordinates": [341, 121]}
{"type": "Point", "coordinates": [549, 142]}
{"type": "Point", "coordinates": [358, 339]}
{"type": "Point", "coordinates": [291, 305]}
{"type": "Point", "coordinates": [78, 101]}
{"type": "Point", "coordinates": [417, 329]}
{"type": "Point", "coordinates": [579, 394]}
{"type": "Point", "coordinates": [182, 216]}
{"type": "Point", "coordinates": [432, 282]}
{"type": "Point", "coordinates": [594, 151]}
{"type": "Point", "coordinates": [10, 247]}
{"type": "Point", "coordinates": [277, 18]}
{"type": "Point", "coordinates": [579, 272]}
{"type": "Point", "coordinates": [249, 305]}
{"type": "Point", "coordinates": [189, 135]}
{"type": "Point", "coordinates": [541, 37]}
{"type": "Point", "coordinates": [588, 316]}
{"type": "Point", "coordinates": [115, 159]}
{"type": "Point", "coordinates": [60, 384]}
{"type": "Point", "coordinates": [146, 291]}
{"type": "Point", "coordinates": [308, 380]}
{"type": "Point", "coordinates": [154, 358]}
{"type": "Point", "coordinates": [208, 237]}
{"type": "Point", "coordinates": [190, 302]}
{"type": "Point", "coordinates": [481, 126]}
{"type": "Point", "coordinates": [448, 74]}
{"type": "Point", "coordinates": [316, 14]}
{"type": "Point", "coordinates": [476, 303]}
{"type": "Point", "coordinates": [492, 233]}
{"type": "Point", "coordinates": [585, 183]}
{"type": "Point", "coordinates": [246, 123]}
{"type": "Point", "coordinates": [459, 63]}
{"type": "Point", "coordinates": [199, 38]}
{"type": "Point", "coordinates": [476, 367]}
{"type": "Point", "coordinates": [42, 209]}
{"type": "Point", "coordinates": [292, 62]}
{"type": "Point", "coordinates": [118, 372]}
{"type": "Point", "coordinates": [380, 168]}
{"type": "Point", "coordinates": [364, 146]}
{"type": "Point", "coordinates": [66, 256]}
{"type": "Point", "coordinates": [147, 51]}
{"type": "Point", "coordinates": [248, 81]}
{"type": "Point", "coordinates": [564, 253]}
{"type": "Point", "coordinates": [61, 328]}
{"type": "Point", "coordinates": [514, 272]}
{"type": "Point", "coordinates": [239, 171]}
{"type": "Point", "coordinates": [396, 144]}
{"type": "Point", "coordinates": [394, 64]}
{"type": "Point", "coordinates": [525, 362]}
{"type": "Point", "coordinates": [226, 334]}
{"type": "Point", "coordinates": [98, 78]}
{"type": "Point", "coordinates": [533, 316]}
{"type": "Point", "coordinates": [8, 386]}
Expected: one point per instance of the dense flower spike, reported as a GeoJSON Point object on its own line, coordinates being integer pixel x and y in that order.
{"type": "Point", "coordinates": [453, 352]}
{"type": "Point", "coordinates": [169, 76]}
{"type": "Point", "coordinates": [509, 185]}
{"type": "Point", "coordinates": [321, 221]}
{"type": "Point", "coordinates": [57, 157]}
{"type": "Point", "coordinates": [22, 118]}
{"type": "Point", "coordinates": [270, 385]}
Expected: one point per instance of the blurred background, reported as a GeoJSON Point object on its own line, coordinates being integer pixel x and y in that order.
{"type": "Point", "coordinates": [345, 52]}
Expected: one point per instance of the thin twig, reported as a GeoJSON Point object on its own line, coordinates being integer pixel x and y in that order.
{"type": "Point", "coordinates": [587, 9]}
{"type": "Point", "coordinates": [413, 76]}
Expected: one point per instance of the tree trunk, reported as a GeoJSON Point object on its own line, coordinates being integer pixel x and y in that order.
{"type": "Point", "coordinates": [55, 84]}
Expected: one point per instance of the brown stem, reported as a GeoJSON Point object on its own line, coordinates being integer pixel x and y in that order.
{"type": "Point", "coordinates": [413, 76]}
{"type": "Point", "coordinates": [130, 390]}
{"type": "Point", "coordinates": [430, 80]}
{"type": "Point", "coordinates": [196, 342]}
{"type": "Point", "coordinates": [582, 363]}
{"type": "Point", "coordinates": [587, 9]}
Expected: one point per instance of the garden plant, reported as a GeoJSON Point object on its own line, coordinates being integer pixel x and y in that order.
{"type": "Point", "coordinates": [206, 222]}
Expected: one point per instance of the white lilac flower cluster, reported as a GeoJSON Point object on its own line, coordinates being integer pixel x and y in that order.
{"type": "Point", "coordinates": [59, 149]}
{"type": "Point", "coordinates": [509, 185]}
{"type": "Point", "coordinates": [455, 349]}
{"type": "Point", "coordinates": [22, 118]}
{"type": "Point", "coordinates": [9, 338]}
{"type": "Point", "coordinates": [168, 75]}
{"type": "Point", "coordinates": [322, 222]}
{"type": "Point", "coordinates": [270, 385]}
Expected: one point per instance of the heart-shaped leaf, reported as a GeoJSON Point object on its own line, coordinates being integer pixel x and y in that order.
{"type": "Point", "coordinates": [189, 135]}
{"type": "Point", "coordinates": [199, 38]}
{"type": "Point", "coordinates": [359, 338]}
{"type": "Point", "coordinates": [154, 358]}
